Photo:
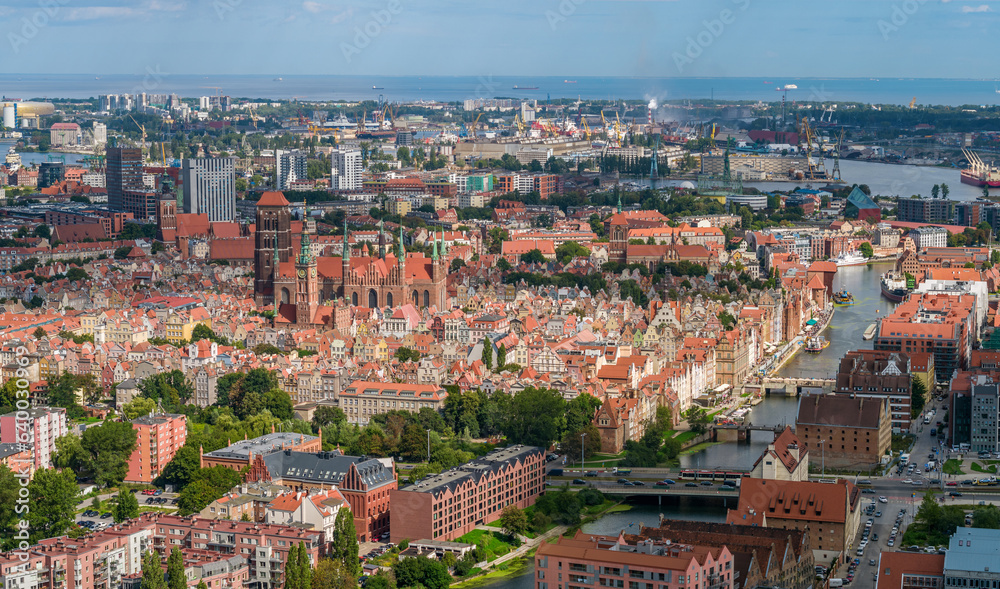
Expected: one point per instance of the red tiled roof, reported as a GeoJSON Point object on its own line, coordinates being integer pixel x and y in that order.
{"type": "Point", "coordinates": [272, 198]}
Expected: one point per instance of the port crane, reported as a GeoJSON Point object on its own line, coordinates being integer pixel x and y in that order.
{"type": "Point", "coordinates": [472, 127]}
{"type": "Point", "coordinates": [142, 144]}
{"type": "Point", "coordinates": [836, 156]}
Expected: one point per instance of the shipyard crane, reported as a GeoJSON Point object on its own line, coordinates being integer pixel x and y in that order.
{"type": "Point", "coordinates": [142, 144]}
{"type": "Point", "coordinates": [361, 122]}
{"type": "Point", "coordinates": [585, 127]}
{"type": "Point", "coordinates": [475, 123]}
{"type": "Point", "coordinates": [836, 156]}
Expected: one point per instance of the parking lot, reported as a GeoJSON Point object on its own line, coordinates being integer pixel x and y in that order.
{"type": "Point", "coordinates": [95, 520]}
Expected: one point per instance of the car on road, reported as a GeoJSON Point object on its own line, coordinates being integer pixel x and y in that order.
{"type": "Point", "coordinates": [661, 484]}
{"type": "Point", "coordinates": [579, 482]}
{"type": "Point", "coordinates": [878, 514]}
{"type": "Point", "coordinates": [908, 482]}
{"type": "Point", "coordinates": [591, 473]}
{"type": "Point", "coordinates": [727, 487]}
{"type": "Point", "coordinates": [707, 483]}
{"type": "Point", "coordinates": [954, 494]}
{"type": "Point", "coordinates": [629, 484]}
{"type": "Point", "coordinates": [691, 484]}
{"type": "Point", "coordinates": [670, 481]}
{"type": "Point", "coordinates": [875, 537]}
{"type": "Point", "coordinates": [867, 491]}
{"type": "Point", "coordinates": [951, 484]}
{"type": "Point", "coordinates": [639, 483]}
{"type": "Point", "coordinates": [882, 499]}
{"type": "Point", "coordinates": [622, 481]}
{"type": "Point", "coordinates": [968, 482]}
{"type": "Point", "coordinates": [871, 562]}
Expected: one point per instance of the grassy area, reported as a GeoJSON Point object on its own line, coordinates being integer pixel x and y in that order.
{"type": "Point", "coordinates": [902, 442]}
{"type": "Point", "coordinates": [952, 466]}
{"type": "Point", "coordinates": [530, 513]}
{"type": "Point", "coordinates": [504, 570]}
{"type": "Point", "coordinates": [685, 437]}
{"type": "Point", "coordinates": [990, 468]}
{"type": "Point", "coordinates": [490, 540]}
{"type": "Point", "coordinates": [699, 447]}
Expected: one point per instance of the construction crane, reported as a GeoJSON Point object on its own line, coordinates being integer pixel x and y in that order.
{"type": "Point", "coordinates": [253, 116]}
{"type": "Point", "coordinates": [361, 122]}
{"type": "Point", "coordinates": [142, 144]}
{"type": "Point", "coordinates": [913, 102]}
{"type": "Point", "coordinates": [472, 127]}
{"type": "Point", "coordinates": [218, 91]}
{"type": "Point", "coordinates": [585, 127]}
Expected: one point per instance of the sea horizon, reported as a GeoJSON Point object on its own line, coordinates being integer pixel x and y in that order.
{"type": "Point", "coordinates": [410, 88]}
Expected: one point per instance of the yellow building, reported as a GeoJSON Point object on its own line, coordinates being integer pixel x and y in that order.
{"type": "Point", "coordinates": [400, 207]}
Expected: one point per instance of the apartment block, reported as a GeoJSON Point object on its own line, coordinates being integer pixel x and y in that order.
{"type": "Point", "coordinates": [938, 324]}
{"type": "Point", "coordinates": [158, 438]}
{"type": "Point", "coordinates": [587, 560]}
{"type": "Point", "coordinates": [925, 210]}
{"type": "Point", "coordinates": [879, 374]}
{"type": "Point", "coordinates": [925, 237]}
{"type": "Point", "coordinates": [850, 432]}
{"type": "Point", "coordinates": [447, 505]}
{"type": "Point", "coordinates": [210, 187]}
{"type": "Point", "coordinates": [362, 399]}
{"type": "Point", "coordinates": [42, 425]}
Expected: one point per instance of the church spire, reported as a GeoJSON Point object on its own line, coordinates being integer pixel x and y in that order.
{"type": "Point", "coordinates": [402, 254]}
{"type": "Point", "coordinates": [381, 238]}
{"type": "Point", "coordinates": [434, 245]}
{"type": "Point", "coordinates": [619, 199]}
{"type": "Point", "coordinates": [347, 246]}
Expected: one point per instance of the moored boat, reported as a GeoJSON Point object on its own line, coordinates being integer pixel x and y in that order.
{"type": "Point", "coordinates": [850, 259]}
{"type": "Point", "coordinates": [843, 297]}
{"type": "Point", "coordinates": [816, 344]}
{"type": "Point", "coordinates": [895, 286]}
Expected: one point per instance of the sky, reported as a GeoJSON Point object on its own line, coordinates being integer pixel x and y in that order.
{"type": "Point", "coordinates": [657, 38]}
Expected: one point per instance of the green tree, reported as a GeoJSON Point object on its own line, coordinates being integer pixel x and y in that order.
{"type": "Point", "coordinates": [487, 353]}
{"type": "Point", "coordinates": [181, 468]}
{"type": "Point", "coordinates": [202, 331]}
{"type": "Point", "coordinates": [502, 356]}
{"type": "Point", "coordinates": [866, 250]}
{"type": "Point", "coordinates": [945, 191]}
{"type": "Point", "coordinates": [536, 417]}
{"type": "Point", "coordinates": [326, 415]}
{"type": "Point", "coordinates": [69, 453]}
{"type": "Point", "coordinates": [503, 265]}
{"type": "Point", "coordinates": [9, 518]}
{"type": "Point", "coordinates": [293, 574]}
{"type": "Point", "coordinates": [918, 396]}
{"type": "Point", "coordinates": [305, 567]}
{"type": "Point", "coordinates": [697, 419]}
{"type": "Point", "coordinates": [456, 265]}
{"type": "Point", "coordinates": [127, 506]}
{"type": "Point", "coordinates": [107, 449]}
{"type": "Point", "coordinates": [278, 403]}
{"type": "Point", "coordinates": [175, 570]}
{"type": "Point", "coordinates": [513, 521]}
{"type": "Point", "coordinates": [138, 406]}
{"type": "Point", "coordinates": [569, 250]}
{"type": "Point", "coordinates": [572, 440]}
{"type": "Point", "coordinates": [207, 485]}
{"type": "Point", "coordinates": [412, 445]}
{"type": "Point", "coordinates": [345, 542]}
{"type": "Point", "coordinates": [330, 574]}
{"type": "Point", "coordinates": [54, 497]}
{"type": "Point", "coordinates": [39, 333]}
{"type": "Point", "coordinates": [152, 571]}
{"type": "Point", "coordinates": [935, 191]}
{"type": "Point", "coordinates": [986, 516]}
{"type": "Point", "coordinates": [534, 256]}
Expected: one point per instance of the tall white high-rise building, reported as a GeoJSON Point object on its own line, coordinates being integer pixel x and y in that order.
{"type": "Point", "coordinates": [289, 166]}
{"type": "Point", "coordinates": [210, 187]}
{"type": "Point", "coordinates": [100, 133]}
{"type": "Point", "coordinates": [204, 103]}
{"type": "Point", "coordinates": [346, 169]}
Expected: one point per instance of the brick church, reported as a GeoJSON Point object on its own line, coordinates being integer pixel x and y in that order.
{"type": "Point", "coordinates": [305, 288]}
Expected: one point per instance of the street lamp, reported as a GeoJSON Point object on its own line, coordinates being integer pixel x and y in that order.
{"type": "Point", "coordinates": [583, 440]}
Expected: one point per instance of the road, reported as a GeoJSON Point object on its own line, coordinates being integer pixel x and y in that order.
{"type": "Point", "coordinates": [107, 507]}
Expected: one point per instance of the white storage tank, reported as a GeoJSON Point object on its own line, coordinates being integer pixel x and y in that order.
{"type": "Point", "coordinates": [9, 113]}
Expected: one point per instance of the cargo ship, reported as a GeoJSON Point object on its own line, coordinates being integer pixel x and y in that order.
{"type": "Point", "coordinates": [525, 88]}
{"type": "Point", "coordinates": [850, 259]}
{"type": "Point", "coordinates": [895, 286]}
{"type": "Point", "coordinates": [816, 344]}
{"type": "Point", "coordinates": [843, 297]}
{"type": "Point", "coordinates": [13, 160]}
{"type": "Point", "coordinates": [978, 173]}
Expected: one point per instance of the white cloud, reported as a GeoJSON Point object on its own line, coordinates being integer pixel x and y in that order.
{"type": "Point", "coordinates": [97, 12]}
{"type": "Point", "coordinates": [980, 8]}
{"type": "Point", "coordinates": [339, 18]}
{"type": "Point", "coordinates": [313, 7]}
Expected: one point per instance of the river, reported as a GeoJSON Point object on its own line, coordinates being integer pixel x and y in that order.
{"type": "Point", "coordinates": [882, 179]}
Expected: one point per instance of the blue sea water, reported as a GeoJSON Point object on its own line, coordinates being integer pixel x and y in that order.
{"type": "Point", "coordinates": [457, 88]}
